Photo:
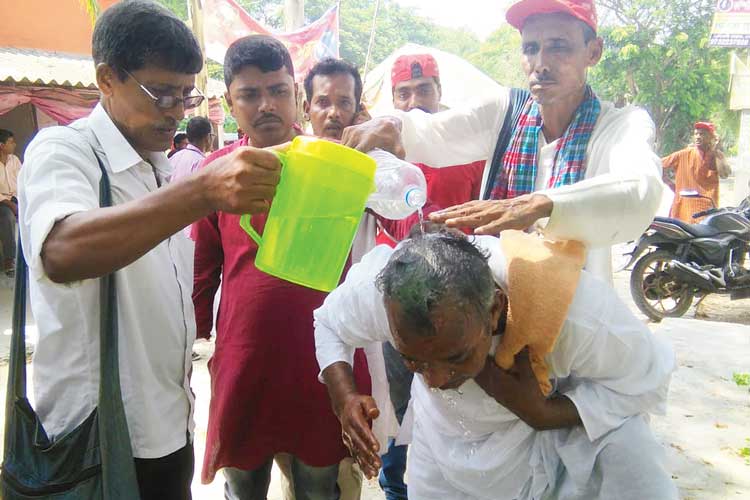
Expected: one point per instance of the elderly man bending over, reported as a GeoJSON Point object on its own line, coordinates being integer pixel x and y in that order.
{"type": "Point", "coordinates": [480, 432]}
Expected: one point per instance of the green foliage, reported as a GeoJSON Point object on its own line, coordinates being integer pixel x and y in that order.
{"type": "Point", "coordinates": [500, 57]}
{"type": "Point", "coordinates": [741, 378]}
{"type": "Point", "coordinates": [215, 70]}
{"type": "Point", "coordinates": [178, 7]}
{"type": "Point", "coordinates": [744, 452]}
{"type": "Point", "coordinates": [92, 9]}
{"type": "Point", "coordinates": [657, 56]}
{"type": "Point", "coordinates": [395, 26]}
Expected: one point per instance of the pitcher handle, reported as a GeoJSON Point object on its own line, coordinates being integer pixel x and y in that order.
{"type": "Point", "coordinates": [246, 220]}
{"type": "Point", "coordinates": [246, 224]}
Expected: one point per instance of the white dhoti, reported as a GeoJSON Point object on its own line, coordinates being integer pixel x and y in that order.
{"type": "Point", "coordinates": [625, 464]}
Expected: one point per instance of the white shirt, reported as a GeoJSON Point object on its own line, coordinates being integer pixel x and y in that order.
{"type": "Point", "coordinates": [9, 177]}
{"type": "Point", "coordinates": [605, 360]}
{"type": "Point", "coordinates": [616, 201]}
{"type": "Point", "coordinates": [155, 310]}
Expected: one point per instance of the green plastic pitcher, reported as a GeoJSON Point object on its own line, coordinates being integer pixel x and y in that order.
{"type": "Point", "coordinates": [314, 216]}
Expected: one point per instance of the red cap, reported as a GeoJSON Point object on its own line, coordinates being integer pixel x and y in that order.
{"type": "Point", "coordinates": [408, 67]}
{"type": "Point", "coordinates": [705, 126]}
{"type": "Point", "coordinates": [585, 10]}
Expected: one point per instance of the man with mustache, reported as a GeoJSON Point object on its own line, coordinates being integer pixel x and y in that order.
{"type": "Point", "coordinates": [69, 241]}
{"type": "Point", "coordinates": [415, 81]}
{"type": "Point", "coordinates": [265, 398]}
{"type": "Point", "coordinates": [333, 94]}
{"type": "Point", "coordinates": [559, 158]}
{"type": "Point", "coordinates": [415, 84]}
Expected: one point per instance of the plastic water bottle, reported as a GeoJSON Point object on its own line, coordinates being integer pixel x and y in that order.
{"type": "Point", "coordinates": [400, 187]}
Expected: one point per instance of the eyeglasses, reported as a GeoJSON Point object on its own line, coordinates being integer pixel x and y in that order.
{"type": "Point", "coordinates": [170, 101]}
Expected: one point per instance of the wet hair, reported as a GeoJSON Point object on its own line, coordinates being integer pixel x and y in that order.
{"type": "Point", "coordinates": [262, 51]}
{"type": "Point", "coordinates": [5, 135]}
{"type": "Point", "coordinates": [178, 138]}
{"type": "Point", "coordinates": [134, 33]}
{"type": "Point", "coordinates": [198, 128]}
{"type": "Point", "coordinates": [330, 66]}
{"type": "Point", "coordinates": [434, 269]}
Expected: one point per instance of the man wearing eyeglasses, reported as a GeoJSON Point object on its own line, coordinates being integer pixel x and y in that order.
{"type": "Point", "coordinates": [146, 83]}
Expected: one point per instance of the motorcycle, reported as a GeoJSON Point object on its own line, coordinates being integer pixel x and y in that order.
{"type": "Point", "coordinates": [676, 262]}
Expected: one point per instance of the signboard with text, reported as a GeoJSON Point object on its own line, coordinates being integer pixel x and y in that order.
{"type": "Point", "coordinates": [731, 26]}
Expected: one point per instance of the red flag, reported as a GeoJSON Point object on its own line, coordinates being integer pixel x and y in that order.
{"type": "Point", "coordinates": [225, 22]}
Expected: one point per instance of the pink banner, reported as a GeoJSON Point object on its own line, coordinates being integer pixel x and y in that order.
{"type": "Point", "coordinates": [225, 21]}
{"type": "Point", "coordinates": [215, 111]}
{"type": "Point", "coordinates": [63, 105]}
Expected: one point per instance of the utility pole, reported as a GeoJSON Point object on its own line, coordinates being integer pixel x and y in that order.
{"type": "Point", "coordinates": [294, 14]}
{"type": "Point", "coordinates": [294, 19]}
{"type": "Point", "coordinates": [201, 80]}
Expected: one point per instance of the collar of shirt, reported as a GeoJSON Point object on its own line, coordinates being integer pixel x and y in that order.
{"type": "Point", "coordinates": [119, 152]}
{"type": "Point", "coordinates": [197, 150]}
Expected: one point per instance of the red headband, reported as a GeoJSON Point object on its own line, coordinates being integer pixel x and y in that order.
{"type": "Point", "coordinates": [705, 126]}
{"type": "Point", "coordinates": [409, 67]}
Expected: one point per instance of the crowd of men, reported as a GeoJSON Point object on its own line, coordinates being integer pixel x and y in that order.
{"type": "Point", "coordinates": [403, 351]}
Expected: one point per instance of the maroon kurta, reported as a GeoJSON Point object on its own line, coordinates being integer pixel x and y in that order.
{"type": "Point", "coordinates": [265, 394]}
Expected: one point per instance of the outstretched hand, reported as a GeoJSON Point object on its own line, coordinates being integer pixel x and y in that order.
{"type": "Point", "coordinates": [493, 216]}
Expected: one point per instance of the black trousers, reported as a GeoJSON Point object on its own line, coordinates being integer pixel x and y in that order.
{"type": "Point", "coordinates": [166, 478]}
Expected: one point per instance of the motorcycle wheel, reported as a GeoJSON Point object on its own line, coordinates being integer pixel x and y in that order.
{"type": "Point", "coordinates": [655, 291]}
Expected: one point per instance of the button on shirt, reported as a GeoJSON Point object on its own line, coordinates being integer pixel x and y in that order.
{"type": "Point", "coordinates": [155, 311]}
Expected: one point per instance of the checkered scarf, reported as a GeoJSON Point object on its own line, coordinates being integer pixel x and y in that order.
{"type": "Point", "coordinates": [518, 173]}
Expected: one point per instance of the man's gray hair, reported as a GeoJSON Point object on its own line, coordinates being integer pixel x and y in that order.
{"type": "Point", "coordinates": [437, 269]}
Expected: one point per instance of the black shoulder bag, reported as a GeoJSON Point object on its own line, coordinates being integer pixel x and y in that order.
{"type": "Point", "coordinates": [95, 460]}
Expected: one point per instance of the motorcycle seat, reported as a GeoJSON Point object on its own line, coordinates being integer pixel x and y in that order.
{"type": "Point", "coordinates": [698, 230]}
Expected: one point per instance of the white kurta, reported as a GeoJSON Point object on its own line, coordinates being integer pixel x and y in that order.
{"type": "Point", "coordinates": [466, 445]}
{"type": "Point", "coordinates": [615, 202]}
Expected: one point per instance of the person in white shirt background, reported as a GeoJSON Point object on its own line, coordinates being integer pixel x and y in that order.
{"type": "Point", "coordinates": [620, 188]}
{"type": "Point", "coordinates": [146, 83]}
{"type": "Point", "coordinates": [10, 165]}
{"type": "Point", "coordinates": [479, 432]}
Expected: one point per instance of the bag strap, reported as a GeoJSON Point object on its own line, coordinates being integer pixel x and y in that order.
{"type": "Point", "coordinates": [118, 468]}
{"type": "Point", "coordinates": [516, 102]}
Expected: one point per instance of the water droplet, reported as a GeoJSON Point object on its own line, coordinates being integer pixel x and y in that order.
{"type": "Point", "coordinates": [420, 213]}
